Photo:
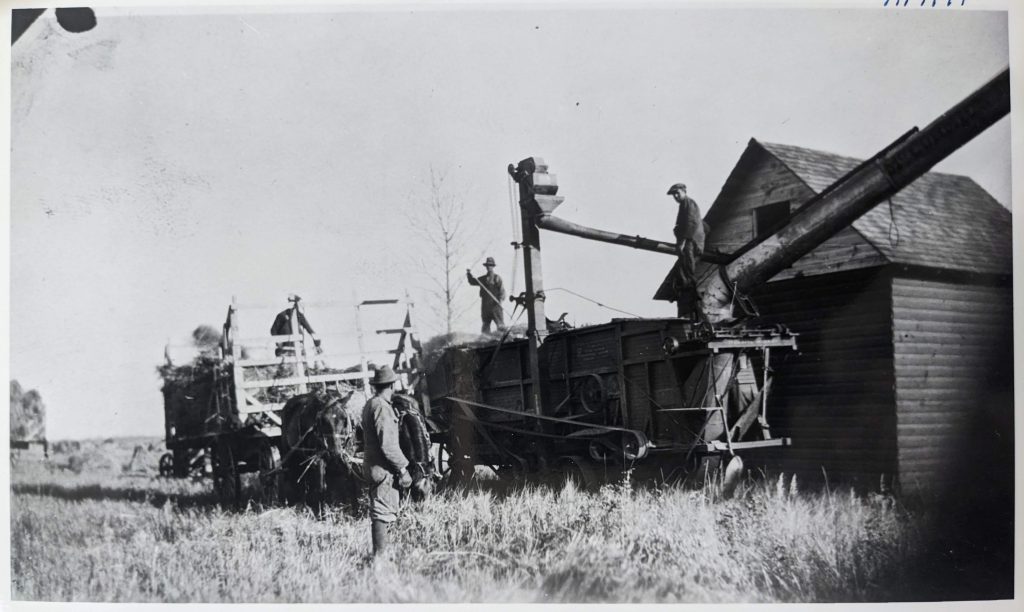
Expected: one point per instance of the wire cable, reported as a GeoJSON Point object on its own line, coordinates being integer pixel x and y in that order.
{"type": "Point", "coordinates": [893, 225]}
{"type": "Point", "coordinates": [595, 302]}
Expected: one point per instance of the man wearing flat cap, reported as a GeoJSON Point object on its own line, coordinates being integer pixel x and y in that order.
{"type": "Point", "coordinates": [689, 232]}
{"type": "Point", "coordinates": [384, 464]}
{"type": "Point", "coordinates": [492, 292]}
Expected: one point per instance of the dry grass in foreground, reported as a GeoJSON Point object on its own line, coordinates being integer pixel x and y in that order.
{"type": "Point", "coordinates": [116, 538]}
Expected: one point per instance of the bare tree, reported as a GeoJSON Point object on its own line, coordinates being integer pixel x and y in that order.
{"type": "Point", "coordinates": [451, 236]}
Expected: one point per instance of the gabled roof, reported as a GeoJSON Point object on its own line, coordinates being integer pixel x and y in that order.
{"type": "Point", "coordinates": [941, 220]}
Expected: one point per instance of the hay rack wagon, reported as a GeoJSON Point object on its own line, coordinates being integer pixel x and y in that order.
{"type": "Point", "coordinates": [223, 411]}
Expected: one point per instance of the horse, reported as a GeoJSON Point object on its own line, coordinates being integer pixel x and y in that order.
{"type": "Point", "coordinates": [318, 437]}
{"type": "Point", "coordinates": [414, 440]}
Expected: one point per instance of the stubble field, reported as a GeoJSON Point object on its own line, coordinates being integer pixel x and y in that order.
{"type": "Point", "coordinates": [104, 534]}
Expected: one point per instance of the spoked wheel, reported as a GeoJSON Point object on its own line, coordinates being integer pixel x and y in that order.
{"type": "Point", "coordinates": [167, 465]}
{"type": "Point", "coordinates": [453, 468]}
{"type": "Point", "coordinates": [226, 481]}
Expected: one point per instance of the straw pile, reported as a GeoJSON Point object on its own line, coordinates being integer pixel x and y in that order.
{"type": "Point", "coordinates": [435, 347]}
{"type": "Point", "coordinates": [189, 388]}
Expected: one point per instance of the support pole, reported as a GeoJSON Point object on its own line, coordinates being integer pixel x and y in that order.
{"type": "Point", "coordinates": [236, 357]}
{"type": "Point", "coordinates": [537, 196]}
{"type": "Point", "coordinates": [299, 354]}
{"type": "Point", "coordinates": [361, 343]}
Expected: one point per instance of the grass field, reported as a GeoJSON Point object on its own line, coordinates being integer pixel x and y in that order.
{"type": "Point", "coordinates": [102, 535]}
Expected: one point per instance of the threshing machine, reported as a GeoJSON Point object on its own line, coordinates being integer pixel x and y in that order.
{"type": "Point", "coordinates": [666, 396]}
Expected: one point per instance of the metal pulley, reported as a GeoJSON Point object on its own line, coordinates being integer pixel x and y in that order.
{"type": "Point", "coordinates": [592, 394]}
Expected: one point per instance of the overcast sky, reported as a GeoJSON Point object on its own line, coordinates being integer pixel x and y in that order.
{"type": "Point", "coordinates": [165, 162]}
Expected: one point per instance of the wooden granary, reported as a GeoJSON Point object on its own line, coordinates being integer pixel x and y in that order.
{"type": "Point", "coordinates": [905, 367]}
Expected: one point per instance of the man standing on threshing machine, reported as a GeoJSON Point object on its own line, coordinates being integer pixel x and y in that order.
{"type": "Point", "coordinates": [492, 292]}
{"type": "Point", "coordinates": [283, 327]}
{"type": "Point", "coordinates": [384, 464]}
{"type": "Point", "coordinates": [689, 231]}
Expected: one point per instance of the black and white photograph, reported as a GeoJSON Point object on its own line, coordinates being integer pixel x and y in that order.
{"type": "Point", "coordinates": [512, 303]}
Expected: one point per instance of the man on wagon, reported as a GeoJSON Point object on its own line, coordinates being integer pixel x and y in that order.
{"type": "Point", "coordinates": [283, 327]}
{"type": "Point", "coordinates": [384, 464]}
{"type": "Point", "coordinates": [492, 292]}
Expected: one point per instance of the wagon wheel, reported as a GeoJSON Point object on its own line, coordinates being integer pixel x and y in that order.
{"type": "Point", "coordinates": [226, 481]}
{"type": "Point", "coordinates": [593, 395]}
{"type": "Point", "coordinates": [452, 468]}
{"type": "Point", "coordinates": [166, 465]}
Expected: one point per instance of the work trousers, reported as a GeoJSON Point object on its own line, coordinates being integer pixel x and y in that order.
{"type": "Point", "coordinates": [686, 278]}
{"type": "Point", "coordinates": [489, 313]}
{"type": "Point", "coordinates": [384, 497]}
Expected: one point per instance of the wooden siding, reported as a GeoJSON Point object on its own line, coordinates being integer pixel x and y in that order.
{"type": "Point", "coordinates": [760, 179]}
{"type": "Point", "coordinates": [833, 396]}
{"type": "Point", "coordinates": [953, 349]}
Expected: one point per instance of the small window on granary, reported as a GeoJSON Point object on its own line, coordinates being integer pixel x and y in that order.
{"type": "Point", "coordinates": [769, 218]}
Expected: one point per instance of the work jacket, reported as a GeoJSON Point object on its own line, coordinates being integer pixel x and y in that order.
{"type": "Point", "coordinates": [689, 225]}
{"type": "Point", "coordinates": [382, 455]}
{"type": "Point", "coordinates": [283, 323]}
{"type": "Point", "coordinates": [492, 284]}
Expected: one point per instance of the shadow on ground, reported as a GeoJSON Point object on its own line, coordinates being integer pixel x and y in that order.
{"type": "Point", "coordinates": [98, 492]}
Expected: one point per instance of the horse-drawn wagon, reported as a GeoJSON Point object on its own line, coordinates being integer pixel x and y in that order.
{"type": "Point", "coordinates": [225, 411]}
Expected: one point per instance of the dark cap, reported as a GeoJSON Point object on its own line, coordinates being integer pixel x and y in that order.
{"type": "Point", "coordinates": [489, 262]}
{"type": "Point", "coordinates": [675, 188]}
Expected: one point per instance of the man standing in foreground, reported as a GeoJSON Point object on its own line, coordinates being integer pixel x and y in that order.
{"type": "Point", "coordinates": [689, 232]}
{"type": "Point", "coordinates": [384, 463]}
{"type": "Point", "coordinates": [492, 292]}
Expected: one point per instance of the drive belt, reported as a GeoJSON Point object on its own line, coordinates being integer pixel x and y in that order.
{"type": "Point", "coordinates": [584, 430]}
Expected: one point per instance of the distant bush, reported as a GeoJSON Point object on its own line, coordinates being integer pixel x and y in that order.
{"type": "Point", "coordinates": [62, 447]}
{"type": "Point", "coordinates": [76, 463]}
{"type": "Point", "coordinates": [28, 414]}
